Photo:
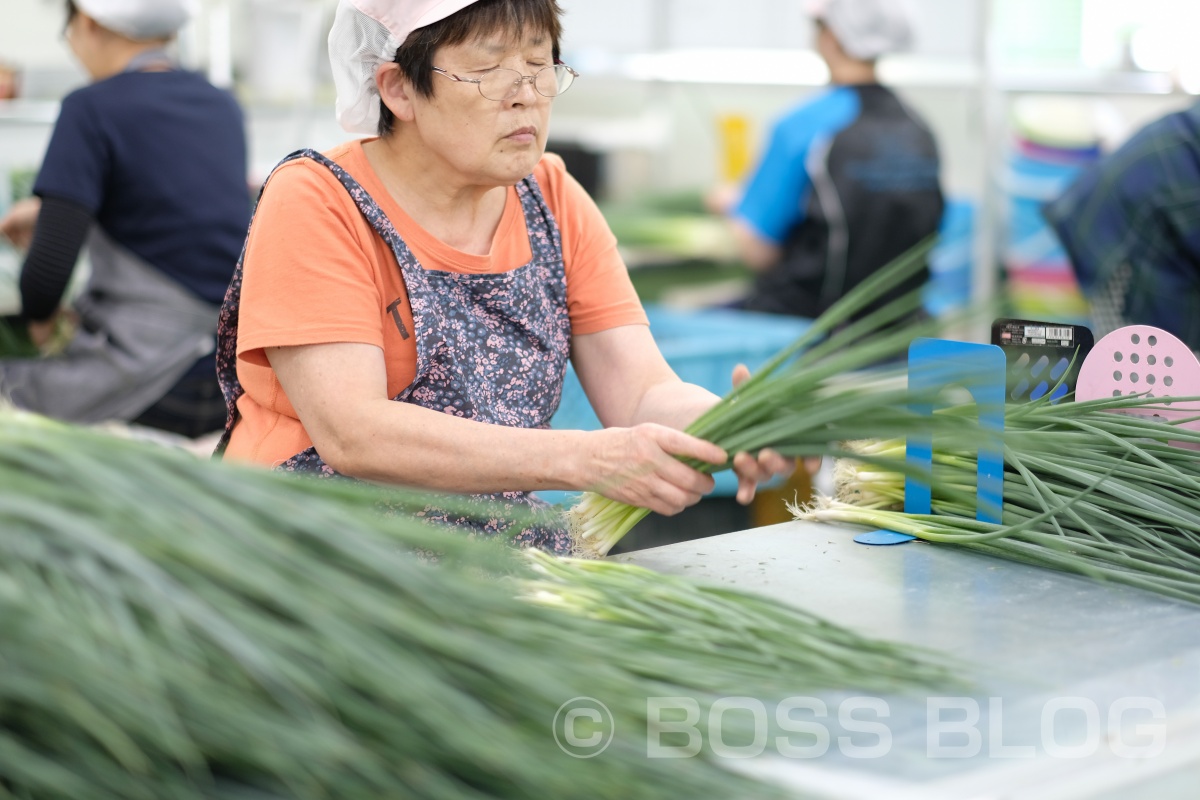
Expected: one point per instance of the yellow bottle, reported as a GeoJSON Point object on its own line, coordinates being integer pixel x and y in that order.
{"type": "Point", "coordinates": [733, 133]}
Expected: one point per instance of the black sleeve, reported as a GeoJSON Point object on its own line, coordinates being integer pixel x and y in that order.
{"type": "Point", "coordinates": [62, 227]}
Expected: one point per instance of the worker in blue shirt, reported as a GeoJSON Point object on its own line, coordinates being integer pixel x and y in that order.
{"type": "Point", "coordinates": [1130, 224]}
{"type": "Point", "coordinates": [146, 166]}
{"type": "Point", "coordinates": [849, 179]}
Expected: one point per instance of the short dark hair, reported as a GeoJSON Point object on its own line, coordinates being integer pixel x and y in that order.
{"type": "Point", "coordinates": [415, 56]}
{"type": "Point", "coordinates": [72, 11]}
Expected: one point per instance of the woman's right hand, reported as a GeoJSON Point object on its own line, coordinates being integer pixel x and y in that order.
{"type": "Point", "coordinates": [640, 466]}
{"type": "Point", "coordinates": [19, 222]}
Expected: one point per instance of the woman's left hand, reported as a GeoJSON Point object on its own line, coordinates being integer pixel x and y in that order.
{"type": "Point", "coordinates": [18, 224]}
{"type": "Point", "coordinates": [751, 470]}
{"type": "Point", "coordinates": [49, 335]}
{"type": "Point", "coordinates": [42, 333]}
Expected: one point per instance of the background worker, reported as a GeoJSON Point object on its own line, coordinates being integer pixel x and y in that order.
{"type": "Point", "coordinates": [849, 179]}
{"type": "Point", "coordinates": [1130, 224]}
{"type": "Point", "coordinates": [147, 166]}
{"type": "Point", "coordinates": [407, 303]}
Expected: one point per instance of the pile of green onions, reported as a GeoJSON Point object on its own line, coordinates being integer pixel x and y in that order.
{"type": "Point", "coordinates": [805, 401]}
{"type": "Point", "coordinates": [179, 628]}
{"type": "Point", "coordinates": [757, 641]}
{"type": "Point", "coordinates": [1089, 487]}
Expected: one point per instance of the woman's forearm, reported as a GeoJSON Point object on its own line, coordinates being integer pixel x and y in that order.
{"type": "Point", "coordinates": [339, 393]}
{"type": "Point", "coordinates": [402, 443]}
{"type": "Point", "coordinates": [674, 403]}
{"type": "Point", "coordinates": [62, 227]}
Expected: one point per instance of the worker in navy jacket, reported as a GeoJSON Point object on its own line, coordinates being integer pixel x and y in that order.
{"type": "Point", "coordinates": [1131, 226]}
{"type": "Point", "coordinates": [146, 170]}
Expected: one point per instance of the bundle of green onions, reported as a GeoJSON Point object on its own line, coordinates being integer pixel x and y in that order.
{"type": "Point", "coordinates": [1087, 489]}
{"type": "Point", "coordinates": [178, 628]}
{"type": "Point", "coordinates": [757, 642]}
{"type": "Point", "coordinates": [804, 401]}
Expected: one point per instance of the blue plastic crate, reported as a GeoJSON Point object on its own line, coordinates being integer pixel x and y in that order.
{"type": "Point", "coordinates": [702, 347]}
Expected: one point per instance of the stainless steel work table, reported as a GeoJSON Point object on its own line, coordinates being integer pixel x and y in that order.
{"type": "Point", "coordinates": [1034, 640]}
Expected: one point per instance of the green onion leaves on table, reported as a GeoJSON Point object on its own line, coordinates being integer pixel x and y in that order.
{"type": "Point", "coordinates": [172, 627]}
{"type": "Point", "coordinates": [686, 633]}
{"type": "Point", "coordinates": [1089, 488]}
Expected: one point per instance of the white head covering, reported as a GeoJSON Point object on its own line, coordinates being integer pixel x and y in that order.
{"type": "Point", "coordinates": [365, 34]}
{"type": "Point", "coordinates": [866, 29]}
{"type": "Point", "coordinates": [140, 19]}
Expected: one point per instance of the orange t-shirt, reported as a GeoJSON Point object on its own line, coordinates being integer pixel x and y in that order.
{"type": "Point", "coordinates": [316, 272]}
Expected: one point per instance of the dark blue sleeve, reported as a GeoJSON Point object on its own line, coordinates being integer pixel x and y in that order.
{"type": "Point", "coordinates": [1065, 214]}
{"type": "Point", "coordinates": [1110, 209]}
{"type": "Point", "coordinates": [76, 164]}
{"type": "Point", "coordinates": [62, 228]}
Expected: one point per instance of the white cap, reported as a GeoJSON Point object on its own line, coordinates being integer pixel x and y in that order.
{"type": "Point", "coordinates": [866, 29]}
{"type": "Point", "coordinates": [140, 19]}
{"type": "Point", "coordinates": [365, 34]}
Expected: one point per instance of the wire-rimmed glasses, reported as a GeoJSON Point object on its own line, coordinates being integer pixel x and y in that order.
{"type": "Point", "coordinates": [501, 84]}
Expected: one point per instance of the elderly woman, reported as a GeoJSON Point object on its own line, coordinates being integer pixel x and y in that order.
{"type": "Point", "coordinates": [407, 304]}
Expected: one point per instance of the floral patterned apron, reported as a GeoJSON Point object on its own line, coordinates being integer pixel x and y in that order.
{"type": "Point", "coordinates": [490, 347]}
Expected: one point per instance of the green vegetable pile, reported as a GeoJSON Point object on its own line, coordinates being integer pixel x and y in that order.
{"type": "Point", "coordinates": [178, 628]}
{"type": "Point", "coordinates": [806, 400]}
{"type": "Point", "coordinates": [1103, 488]}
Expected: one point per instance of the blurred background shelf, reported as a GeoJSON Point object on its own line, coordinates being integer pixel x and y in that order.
{"type": "Point", "coordinates": [29, 112]}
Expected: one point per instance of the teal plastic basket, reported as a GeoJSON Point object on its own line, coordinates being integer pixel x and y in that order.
{"type": "Point", "coordinates": [703, 347]}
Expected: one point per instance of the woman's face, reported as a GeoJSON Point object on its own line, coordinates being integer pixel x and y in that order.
{"type": "Point", "coordinates": [495, 142]}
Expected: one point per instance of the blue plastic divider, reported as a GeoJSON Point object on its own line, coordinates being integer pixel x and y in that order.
{"type": "Point", "coordinates": [933, 365]}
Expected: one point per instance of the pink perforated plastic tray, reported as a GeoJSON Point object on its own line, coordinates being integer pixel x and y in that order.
{"type": "Point", "coordinates": [1138, 359]}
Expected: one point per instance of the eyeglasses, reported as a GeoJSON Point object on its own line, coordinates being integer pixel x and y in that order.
{"type": "Point", "coordinates": [501, 84]}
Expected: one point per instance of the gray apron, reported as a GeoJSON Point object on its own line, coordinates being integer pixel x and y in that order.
{"type": "Point", "coordinates": [139, 332]}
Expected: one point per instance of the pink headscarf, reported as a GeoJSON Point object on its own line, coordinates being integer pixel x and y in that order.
{"type": "Point", "coordinates": [365, 34]}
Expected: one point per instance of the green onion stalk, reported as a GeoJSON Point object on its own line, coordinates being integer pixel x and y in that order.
{"type": "Point", "coordinates": [756, 641]}
{"type": "Point", "coordinates": [179, 628]}
{"type": "Point", "coordinates": [806, 400]}
{"type": "Point", "coordinates": [1102, 488]}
